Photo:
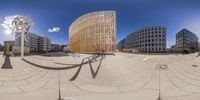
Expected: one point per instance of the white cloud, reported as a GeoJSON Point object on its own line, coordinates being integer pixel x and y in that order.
{"type": "Point", "coordinates": [54, 29]}
{"type": "Point", "coordinates": [5, 36]}
{"type": "Point", "coordinates": [7, 24]}
{"type": "Point", "coordinates": [6, 27]}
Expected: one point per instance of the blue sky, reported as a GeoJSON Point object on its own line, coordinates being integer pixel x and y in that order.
{"type": "Point", "coordinates": [131, 15]}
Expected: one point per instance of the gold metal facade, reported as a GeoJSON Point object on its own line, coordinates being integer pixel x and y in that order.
{"type": "Point", "coordinates": [94, 33]}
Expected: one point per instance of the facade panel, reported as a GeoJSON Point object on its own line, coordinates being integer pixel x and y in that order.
{"type": "Point", "coordinates": [186, 40]}
{"type": "Point", "coordinates": [94, 33]}
{"type": "Point", "coordinates": [34, 41]}
{"type": "Point", "coordinates": [149, 39]}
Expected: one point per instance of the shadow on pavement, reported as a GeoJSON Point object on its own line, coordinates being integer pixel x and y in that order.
{"type": "Point", "coordinates": [55, 54]}
{"type": "Point", "coordinates": [94, 73]}
{"type": "Point", "coordinates": [56, 68]}
{"type": "Point", "coordinates": [90, 59]}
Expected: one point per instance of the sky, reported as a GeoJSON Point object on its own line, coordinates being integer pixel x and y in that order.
{"type": "Point", "coordinates": [52, 18]}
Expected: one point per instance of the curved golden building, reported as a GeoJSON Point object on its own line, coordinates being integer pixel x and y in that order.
{"type": "Point", "coordinates": [94, 33]}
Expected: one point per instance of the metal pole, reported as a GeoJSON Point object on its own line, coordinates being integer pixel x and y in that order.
{"type": "Point", "coordinates": [59, 92]}
{"type": "Point", "coordinates": [147, 45]}
{"type": "Point", "coordinates": [22, 44]}
{"type": "Point", "coordinates": [159, 98]}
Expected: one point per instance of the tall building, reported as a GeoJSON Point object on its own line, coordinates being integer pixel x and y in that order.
{"type": "Point", "coordinates": [56, 47]}
{"type": "Point", "coordinates": [186, 40]}
{"type": "Point", "coordinates": [121, 45]}
{"type": "Point", "coordinates": [148, 40]}
{"type": "Point", "coordinates": [199, 47]}
{"type": "Point", "coordinates": [1, 47]}
{"type": "Point", "coordinates": [34, 41]}
{"type": "Point", "coordinates": [94, 33]}
{"type": "Point", "coordinates": [43, 43]}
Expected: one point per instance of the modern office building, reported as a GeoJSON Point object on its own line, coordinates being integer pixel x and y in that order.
{"type": "Point", "coordinates": [56, 47]}
{"type": "Point", "coordinates": [64, 47]}
{"type": "Point", "coordinates": [147, 40]}
{"type": "Point", "coordinates": [94, 33]}
{"type": "Point", "coordinates": [1, 47]}
{"type": "Point", "coordinates": [199, 47]}
{"type": "Point", "coordinates": [43, 44]}
{"type": "Point", "coordinates": [186, 41]}
{"type": "Point", "coordinates": [121, 45]}
{"type": "Point", "coordinates": [34, 42]}
{"type": "Point", "coordinates": [30, 41]}
{"type": "Point", "coordinates": [173, 48]}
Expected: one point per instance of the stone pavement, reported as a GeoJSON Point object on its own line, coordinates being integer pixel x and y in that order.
{"type": "Point", "coordinates": [120, 77]}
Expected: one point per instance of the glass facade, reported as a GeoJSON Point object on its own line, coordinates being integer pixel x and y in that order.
{"type": "Point", "coordinates": [186, 40]}
{"type": "Point", "coordinates": [94, 33]}
{"type": "Point", "coordinates": [121, 45]}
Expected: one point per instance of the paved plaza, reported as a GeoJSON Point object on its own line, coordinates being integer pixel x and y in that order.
{"type": "Point", "coordinates": [120, 77]}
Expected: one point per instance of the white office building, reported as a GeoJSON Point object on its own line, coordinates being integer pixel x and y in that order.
{"type": "Point", "coordinates": [44, 43]}
{"type": "Point", "coordinates": [148, 40]}
{"type": "Point", "coordinates": [34, 42]}
{"type": "Point", "coordinates": [199, 47]}
{"type": "Point", "coordinates": [1, 47]}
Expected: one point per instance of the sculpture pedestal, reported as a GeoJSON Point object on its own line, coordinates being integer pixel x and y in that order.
{"type": "Point", "coordinates": [7, 64]}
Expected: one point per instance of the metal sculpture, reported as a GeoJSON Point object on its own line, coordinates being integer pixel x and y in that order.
{"type": "Point", "coordinates": [20, 24]}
